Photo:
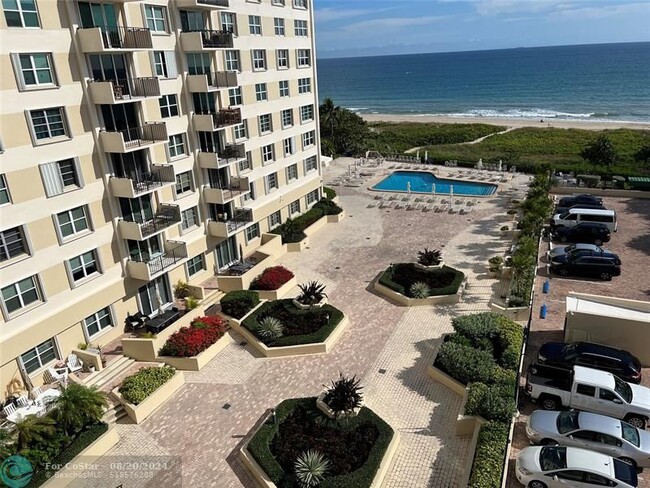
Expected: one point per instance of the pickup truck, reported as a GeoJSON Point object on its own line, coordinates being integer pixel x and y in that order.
{"type": "Point", "coordinates": [590, 390]}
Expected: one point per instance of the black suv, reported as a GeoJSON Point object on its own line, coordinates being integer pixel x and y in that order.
{"type": "Point", "coordinates": [581, 253]}
{"type": "Point", "coordinates": [586, 232]}
{"type": "Point", "coordinates": [606, 358]}
{"type": "Point", "coordinates": [588, 266]}
{"type": "Point", "coordinates": [572, 200]}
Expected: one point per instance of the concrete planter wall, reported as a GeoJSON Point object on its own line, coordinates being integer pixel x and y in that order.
{"type": "Point", "coordinates": [313, 228]}
{"type": "Point", "coordinates": [424, 267]}
{"type": "Point", "coordinates": [89, 358]}
{"type": "Point", "coordinates": [302, 306]}
{"type": "Point", "coordinates": [324, 407]}
{"type": "Point", "coordinates": [139, 413]}
{"type": "Point", "coordinates": [75, 468]}
{"type": "Point", "coordinates": [280, 292]}
{"type": "Point", "coordinates": [243, 281]}
{"type": "Point", "coordinates": [415, 302]}
{"type": "Point", "coordinates": [518, 314]}
{"type": "Point", "coordinates": [332, 219]}
{"type": "Point", "coordinates": [195, 363]}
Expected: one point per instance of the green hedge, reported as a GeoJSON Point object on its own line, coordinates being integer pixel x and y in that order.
{"type": "Point", "coordinates": [361, 478]}
{"type": "Point", "coordinates": [330, 193]}
{"type": "Point", "coordinates": [81, 442]}
{"type": "Point", "coordinates": [137, 387]}
{"type": "Point", "coordinates": [464, 363]}
{"type": "Point", "coordinates": [238, 303]}
{"type": "Point", "coordinates": [319, 336]}
{"type": "Point", "coordinates": [386, 279]}
{"type": "Point", "coordinates": [490, 453]}
{"type": "Point", "coordinates": [492, 402]}
{"type": "Point", "coordinates": [293, 229]}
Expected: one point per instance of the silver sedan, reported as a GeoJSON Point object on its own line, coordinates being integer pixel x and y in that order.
{"type": "Point", "coordinates": [590, 431]}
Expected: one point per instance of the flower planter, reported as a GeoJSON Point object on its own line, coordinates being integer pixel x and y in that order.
{"type": "Point", "coordinates": [506, 271]}
{"type": "Point", "coordinates": [196, 363]}
{"type": "Point", "coordinates": [518, 314]}
{"type": "Point", "coordinates": [324, 407]}
{"type": "Point", "coordinates": [432, 267]}
{"type": "Point", "coordinates": [279, 293]}
{"type": "Point", "coordinates": [302, 306]}
{"type": "Point", "coordinates": [414, 302]}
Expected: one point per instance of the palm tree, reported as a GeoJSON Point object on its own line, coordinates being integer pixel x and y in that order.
{"type": "Point", "coordinates": [330, 115]}
{"type": "Point", "coordinates": [33, 429]}
{"type": "Point", "coordinates": [5, 442]}
{"type": "Point", "coordinates": [78, 406]}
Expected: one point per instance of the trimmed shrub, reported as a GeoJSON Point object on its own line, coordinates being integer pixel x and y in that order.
{"type": "Point", "coordinates": [271, 278]}
{"type": "Point", "coordinates": [464, 363]}
{"type": "Point", "coordinates": [443, 281]}
{"type": "Point", "coordinates": [492, 402]}
{"type": "Point", "coordinates": [137, 387]}
{"type": "Point", "coordinates": [293, 229]}
{"type": "Point", "coordinates": [490, 453]}
{"type": "Point", "coordinates": [193, 340]}
{"type": "Point", "coordinates": [239, 303]}
{"type": "Point", "coordinates": [330, 193]}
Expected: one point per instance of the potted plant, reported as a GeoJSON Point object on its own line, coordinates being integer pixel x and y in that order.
{"type": "Point", "coordinates": [512, 214]}
{"type": "Point", "coordinates": [343, 398]}
{"type": "Point", "coordinates": [181, 290]}
{"type": "Point", "coordinates": [429, 259]}
{"type": "Point", "coordinates": [494, 265]}
{"type": "Point", "coordinates": [312, 294]}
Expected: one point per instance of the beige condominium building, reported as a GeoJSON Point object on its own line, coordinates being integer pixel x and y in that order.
{"type": "Point", "coordinates": [142, 143]}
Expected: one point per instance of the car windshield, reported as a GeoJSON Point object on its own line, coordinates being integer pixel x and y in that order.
{"type": "Point", "coordinates": [630, 434]}
{"type": "Point", "coordinates": [551, 458]}
{"type": "Point", "coordinates": [567, 422]}
{"type": "Point", "coordinates": [625, 472]}
{"type": "Point", "coordinates": [623, 389]}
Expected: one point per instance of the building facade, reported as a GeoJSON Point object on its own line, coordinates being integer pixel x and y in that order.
{"type": "Point", "coordinates": [142, 143]}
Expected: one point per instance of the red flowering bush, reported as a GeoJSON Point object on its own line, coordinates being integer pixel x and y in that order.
{"type": "Point", "coordinates": [193, 340]}
{"type": "Point", "coordinates": [272, 278]}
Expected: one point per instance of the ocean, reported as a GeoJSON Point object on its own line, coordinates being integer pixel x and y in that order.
{"type": "Point", "coordinates": [598, 82]}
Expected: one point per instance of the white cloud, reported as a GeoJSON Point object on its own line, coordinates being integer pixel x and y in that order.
{"type": "Point", "coordinates": [601, 8]}
{"type": "Point", "coordinates": [604, 12]}
{"type": "Point", "coordinates": [391, 23]}
{"type": "Point", "coordinates": [329, 14]}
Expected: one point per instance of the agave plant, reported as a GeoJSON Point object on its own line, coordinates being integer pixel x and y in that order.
{"type": "Point", "coordinates": [420, 290]}
{"type": "Point", "coordinates": [430, 257]}
{"type": "Point", "coordinates": [270, 328]}
{"type": "Point", "coordinates": [311, 293]}
{"type": "Point", "coordinates": [344, 395]}
{"type": "Point", "coordinates": [310, 468]}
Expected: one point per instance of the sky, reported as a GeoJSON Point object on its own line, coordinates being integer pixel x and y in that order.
{"type": "Point", "coordinates": [347, 28]}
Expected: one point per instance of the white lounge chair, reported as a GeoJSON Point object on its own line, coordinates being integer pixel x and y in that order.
{"type": "Point", "coordinates": [54, 375]}
{"type": "Point", "coordinates": [73, 363]}
{"type": "Point", "coordinates": [9, 409]}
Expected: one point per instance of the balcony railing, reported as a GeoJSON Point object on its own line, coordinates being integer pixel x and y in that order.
{"type": "Point", "coordinates": [120, 37]}
{"type": "Point", "coordinates": [226, 117]}
{"type": "Point", "coordinates": [212, 39]}
{"type": "Point", "coordinates": [222, 79]}
{"type": "Point", "coordinates": [241, 218]}
{"type": "Point", "coordinates": [233, 152]}
{"type": "Point", "coordinates": [215, 3]}
{"type": "Point", "coordinates": [126, 89]}
{"type": "Point", "coordinates": [175, 251]}
{"type": "Point", "coordinates": [144, 134]}
{"type": "Point", "coordinates": [221, 193]}
{"type": "Point", "coordinates": [132, 184]}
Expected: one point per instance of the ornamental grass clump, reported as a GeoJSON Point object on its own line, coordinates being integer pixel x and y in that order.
{"type": "Point", "coordinates": [311, 293]}
{"type": "Point", "coordinates": [344, 395]}
{"type": "Point", "coordinates": [272, 278]}
{"type": "Point", "coordinates": [310, 468]}
{"type": "Point", "coordinates": [269, 329]}
{"type": "Point", "coordinates": [419, 290]}
{"type": "Point", "coordinates": [430, 257]}
{"type": "Point", "coordinates": [193, 340]}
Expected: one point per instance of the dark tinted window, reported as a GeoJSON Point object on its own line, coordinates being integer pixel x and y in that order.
{"type": "Point", "coordinates": [608, 439]}
{"type": "Point", "coordinates": [598, 480]}
{"type": "Point", "coordinates": [607, 395]}
{"type": "Point", "coordinates": [586, 390]}
{"type": "Point", "coordinates": [585, 435]}
{"type": "Point", "coordinates": [572, 475]}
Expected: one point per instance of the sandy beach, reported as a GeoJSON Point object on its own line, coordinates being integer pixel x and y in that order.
{"type": "Point", "coordinates": [514, 123]}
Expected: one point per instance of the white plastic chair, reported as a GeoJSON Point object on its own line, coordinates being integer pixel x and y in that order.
{"type": "Point", "coordinates": [36, 392]}
{"type": "Point", "coordinates": [53, 375]}
{"type": "Point", "coordinates": [9, 409]}
{"type": "Point", "coordinates": [73, 363]}
{"type": "Point", "coordinates": [23, 401]}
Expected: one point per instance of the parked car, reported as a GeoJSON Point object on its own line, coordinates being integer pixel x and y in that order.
{"type": "Point", "coordinates": [576, 216]}
{"type": "Point", "coordinates": [588, 266]}
{"type": "Point", "coordinates": [594, 206]}
{"type": "Point", "coordinates": [591, 355]}
{"type": "Point", "coordinates": [574, 199]}
{"type": "Point", "coordinates": [581, 253]}
{"type": "Point", "coordinates": [590, 390]}
{"type": "Point", "coordinates": [563, 467]}
{"type": "Point", "coordinates": [585, 232]}
{"type": "Point", "coordinates": [590, 431]}
{"type": "Point", "coordinates": [556, 251]}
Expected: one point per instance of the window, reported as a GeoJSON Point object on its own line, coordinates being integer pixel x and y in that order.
{"type": "Point", "coordinates": [304, 58]}
{"type": "Point", "coordinates": [83, 266]}
{"type": "Point", "coordinates": [252, 232]}
{"type": "Point", "coordinates": [176, 145]}
{"type": "Point", "coordinates": [300, 3]}
{"type": "Point", "coordinates": [232, 60]}
{"type": "Point", "coordinates": [284, 88]}
{"type": "Point", "coordinates": [265, 123]}
{"type": "Point", "coordinates": [183, 183]}
{"type": "Point", "coordinates": [241, 132]}
{"type": "Point", "coordinates": [255, 25]}
{"type": "Point", "coordinates": [229, 22]}
{"type": "Point", "coordinates": [271, 182]}
{"type": "Point", "coordinates": [98, 321]}
{"type": "Point", "coordinates": [234, 96]}
{"type": "Point", "coordinates": [275, 219]}
{"type": "Point", "coordinates": [168, 106]}
{"type": "Point", "coordinates": [72, 222]}
{"type": "Point", "coordinates": [4, 190]}
{"type": "Point", "coordinates": [304, 85]}
{"type": "Point", "coordinates": [311, 197]}
{"type": "Point", "coordinates": [278, 25]}
{"type": "Point", "coordinates": [40, 356]}
{"type": "Point", "coordinates": [190, 218]}
{"type": "Point", "coordinates": [586, 390]}
{"type": "Point", "coordinates": [283, 58]}
{"type": "Point", "coordinates": [287, 117]}
{"type": "Point", "coordinates": [607, 395]}
{"type": "Point", "coordinates": [21, 294]}
{"type": "Point", "coordinates": [156, 18]}
{"type": "Point", "coordinates": [260, 92]}
{"type": "Point", "coordinates": [289, 146]}
{"type": "Point", "coordinates": [306, 113]}
{"type": "Point", "coordinates": [61, 176]}
{"type": "Point", "coordinates": [34, 70]}
{"type": "Point", "coordinates": [279, 3]}
{"type": "Point", "coordinates": [259, 59]}
{"type": "Point", "coordinates": [164, 64]}
{"type": "Point", "coordinates": [294, 207]}
{"type": "Point", "coordinates": [572, 475]}
{"type": "Point", "coordinates": [310, 164]}
{"type": "Point", "coordinates": [48, 123]}
{"type": "Point", "coordinates": [267, 153]}
{"type": "Point", "coordinates": [300, 28]}
{"type": "Point", "coordinates": [292, 172]}
{"type": "Point", "coordinates": [195, 265]}
{"type": "Point", "coordinates": [12, 243]}
{"type": "Point", "coordinates": [246, 164]}
{"type": "Point", "coordinates": [308, 139]}
{"type": "Point", "coordinates": [21, 13]}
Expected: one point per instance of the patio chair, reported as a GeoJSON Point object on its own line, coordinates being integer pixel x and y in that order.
{"type": "Point", "coordinates": [23, 401]}
{"type": "Point", "coordinates": [9, 409]}
{"type": "Point", "coordinates": [466, 210]}
{"type": "Point", "coordinates": [74, 363]}
{"type": "Point", "coordinates": [36, 392]}
{"type": "Point", "coordinates": [56, 375]}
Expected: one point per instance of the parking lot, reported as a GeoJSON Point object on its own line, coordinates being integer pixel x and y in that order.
{"type": "Point", "coordinates": [632, 243]}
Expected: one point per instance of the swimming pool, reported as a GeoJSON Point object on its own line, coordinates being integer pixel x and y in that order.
{"type": "Point", "coordinates": [423, 181]}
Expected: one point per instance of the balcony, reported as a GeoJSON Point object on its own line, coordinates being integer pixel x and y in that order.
{"type": "Point", "coordinates": [207, 4]}
{"type": "Point", "coordinates": [147, 268]}
{"type": "Point", "coordinates": [225, 226]}
{"type": "Point", "coordinates": [232, 153]}
{"type": "Point", "coordinates": [220, 120]}
{"type": "Point", "coordinates": [107, 92]}
{"type": "Point", "coordinates": [113, 38]}
{"type": "Point", "coordinates": [166, 216]}
{"type": "Point", "coordinates": [202, 40]}
{"type": "Point", "coordinates": [236, 188]}
{"type": "Point", "coordinates": [212, 81]}
{"type": "Point", "coordinates": [140, 183]}
{"type": "Point", "coordinates": [134, 138]}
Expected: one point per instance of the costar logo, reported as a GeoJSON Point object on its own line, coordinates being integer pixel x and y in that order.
{"type": "Point", "coordinates": [16, 471]}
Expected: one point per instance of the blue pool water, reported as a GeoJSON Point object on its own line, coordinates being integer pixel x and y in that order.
{"type": "Point", "coordinates": [422, 182]}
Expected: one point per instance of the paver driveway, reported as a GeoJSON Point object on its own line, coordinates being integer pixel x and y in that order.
{"type": "Point", "coordinates": [346, 256]}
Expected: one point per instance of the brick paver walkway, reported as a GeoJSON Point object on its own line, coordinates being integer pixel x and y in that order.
{"type": "Point", "coordinates": [347, 256]}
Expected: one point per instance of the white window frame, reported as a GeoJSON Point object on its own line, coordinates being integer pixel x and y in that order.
{"type": "Point", "coordinates": [77, 233]}
{"type": "Point", "coordinates": [231, 60]}
{"type": "Point", "coordinates": [40, 299]}
{"type": "Point", "coordinates": [246, 164]}
{"type": "Point", "coordinates": [255, 25]}
{"type": "Point", "coordinates": [166, 61]}
{"type": "Point", "coordinates": [289, 145]}
{"type": "Point", "coordinates": [41, 365]}
{"type": "Point", "coordinates": [308, 139]}
{"type": "Point", "coordinates": [275, 219]}
{"type": "Point", "coordinates": [311, 164]}
{"type": "Point", "coordinates": [185, 225]}
{"type": "Point", "coordinates": [252, 232]}
{"type": "Point", "coordinates": [292, 172]}
{"type": "Point", "coordinates": [261, 93]}
{"type": "Point", "coordinates": [282, 58]}
{"type": "Point", "coordinates": [235, 96]}
{"type": "Point", "coordinates": [4, 188]}
{"type": "Point", "coordinates": [283, 88]}
{"type": "Point", "coordinates": [313, 196]}
{"type": "Point", "coordinates": [190, 180]}
{"type": "Point", "coordinates": [190, 262]}
{"type": "Point", "coordinates": [240, 131]}
{"type": "Point", "coordinates": [264, 121]}
{"type": "Point", "coordinates": [278, 3]}
{"type": "Point", "coordinates": [304, 85]}
{"type": "Point", "coordinates": [165, 103]}
{"type": "Point", "coordinates": [291, 207]}
{"type": "Point", "coordinates": [22, 16]}
{"type": "Point", "coordinates": [4, 245]}
{"type": "Point", "coordinates": [306, 113]}
{"type": "Point", "coordinates": [287, 118]}
{"type": "Point", "coordinates": [268, 153]}
{"type": "Point", "coordinates": [175, 146]}
{"type": "Point", "coordinates": [53, 177]}
{"type": "Point", "coordinates": [20, 71]}
{"type": "Point", "coordinates": [259, 59]}
{"type": "Point", "coordinates": [87, 277]}
{"type": "Point", "coordinates": [271, 182]}
{"type": "Point", "coordinates": [301, 4]}
{"type": "Point", "coordinates": [151, 19]}
{"type": "Point", "coordinates": [278, 26]}
{"type": "Point", "coordinates": [97, 320]}
{"type": "Point", "coordinates": [229, 22]}
{"type": "Point", "coordinates": [303, 58]}
{"type": "Point", "coordinates": [52, 138]}
{"type": "Point", "coordinates": [300, 28]}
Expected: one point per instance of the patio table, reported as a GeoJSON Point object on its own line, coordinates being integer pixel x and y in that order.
{"type": "Point", "coordinates": [23, 412]}
{"type": "Point", "coordinates": [162, 321]}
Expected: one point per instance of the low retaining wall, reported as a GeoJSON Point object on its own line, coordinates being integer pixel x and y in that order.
{"type": "Point", "coordinates": [243, 281]}
{"type": "Point", "coordinates": [89, 358]}
{"type": "Point", "coordinates": [280, 292]}
{"type": "Point", "coordinates": [415, 302]}
{"type": "Point", "coordinates": [567, 190]}
{"type": "Point", "coordinates": [196, 363]}
{"type": "Point", "coordinates": [313, 228]}
{"type": "Point", "coordinates": [139, 413]}
{"type": "Point", "coordinates": [518, 314]}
